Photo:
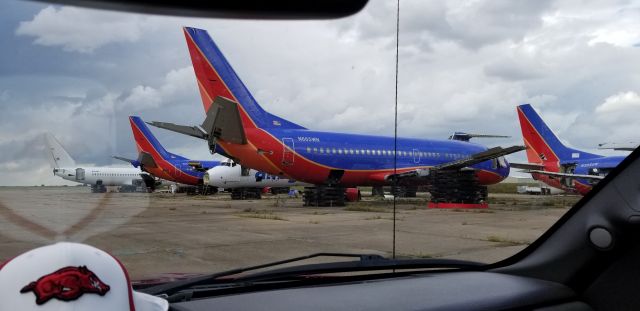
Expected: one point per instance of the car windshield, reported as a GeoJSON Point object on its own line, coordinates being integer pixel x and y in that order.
{"type": "Point", "coordinates": [185, 146]}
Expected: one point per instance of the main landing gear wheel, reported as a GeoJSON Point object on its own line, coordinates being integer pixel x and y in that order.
{"type": "Point", "coordinates": [323, 196]}
{"type": "Point", "coordinates": [98, 187]}
{"type": "Point", "coordinates": [377, 191]}
{"type": "Point", "coordinates": [246, 193]}
{"type": "Point", "coordinates": [204, 190]}
{"type": "Point", "coordinates": [457, 187]}
{"type": "Point", "coordinates": [404, 191]}
{"type": "Point", "coordinates": [280, 190]}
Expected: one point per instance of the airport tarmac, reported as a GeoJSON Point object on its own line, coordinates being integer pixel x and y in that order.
{"type": "Point", "coordinates": [165, 233]}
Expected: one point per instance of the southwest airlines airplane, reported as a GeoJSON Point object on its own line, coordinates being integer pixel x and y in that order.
{"type": "Point", "coordinates": [127, 178]}
{"type": "Point", "coordinates": [157, 161]}
{"type": "Point", "coordinates": [238, 128]}
{"type": "Point", "coordinates": [555, 164]}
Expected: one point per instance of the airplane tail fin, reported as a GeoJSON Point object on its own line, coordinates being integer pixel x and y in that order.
{"type": "Point", "coordinates": [146, 142]}
{"type": "Point", "coordinates": [58, 157]}
{"type": "Point", "coordinates": [542, 144]}
{"type": "Point", "coordinates": [216, 77]}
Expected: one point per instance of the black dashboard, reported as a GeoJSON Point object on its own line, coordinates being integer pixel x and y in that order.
{"type": "Point", "coordinates": [430, 291]}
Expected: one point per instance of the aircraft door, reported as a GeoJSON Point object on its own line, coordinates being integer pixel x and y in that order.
{"type": "Point", "coordinates": [287, 153]}
{"type": "Point", "coordinates": [79, 174]}
{"type": "Point", "coordinates": [416, 156]}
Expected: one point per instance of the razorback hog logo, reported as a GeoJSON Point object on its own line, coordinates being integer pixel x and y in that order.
{"type": "Point", "coordinates": [66, 284]}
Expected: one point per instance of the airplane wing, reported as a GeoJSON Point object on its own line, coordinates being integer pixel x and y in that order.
{"type": "Point", "coordinates": [222, 121]}
{"type": "Point", "coordinates": [489, 154]}
{"type": "Point", "coordinates": [467, 136]}
{"type": "Point", "coordinates": [566, 175]}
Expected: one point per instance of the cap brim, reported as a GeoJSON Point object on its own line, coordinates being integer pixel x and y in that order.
{"type": "Point", "coordinates": [146, 302]}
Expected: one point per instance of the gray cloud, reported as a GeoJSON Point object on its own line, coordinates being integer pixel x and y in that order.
{"type": "Point", "coordinates": [463, 66]}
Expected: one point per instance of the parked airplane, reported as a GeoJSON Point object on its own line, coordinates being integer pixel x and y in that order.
{"type": "Point", "coordinates": [238, 128]}
{"type": "Point", "coordinates": [228, 175]}
{"type": "Point", "coordinates": [157, 161]}
{"type": "Point", "coordinates": [128, 179]}
{"type": "Point", "coordinates": [555, 164]}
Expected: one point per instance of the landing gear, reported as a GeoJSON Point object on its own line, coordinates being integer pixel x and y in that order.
{"type": "Point", "coordinates": [198, 190]}
{"type": "Point", "coordinates": [404, 191]}
{"type": "Point", "coordinates": [323, 196]}
{"type": "Point", "coordinates": [457, 187]}
{"type": "Point", "coordinates": [246, 193]}
{"type": "Point", "coordinates": [138, 185]}
{"type": "Point", "coordinates": [377, 191]}
{"type": "Point", "coordinates": [280, 190]}
{"type": "Point", "coordinates": [127, 188]}
{"type": "Point", "coordinates": [208, 190]}
{"type": "Point", "coordinates": [98, 187]}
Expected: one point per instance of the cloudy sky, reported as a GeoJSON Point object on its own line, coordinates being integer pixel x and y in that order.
{"type": "Point", "coordinates": [464, 65]}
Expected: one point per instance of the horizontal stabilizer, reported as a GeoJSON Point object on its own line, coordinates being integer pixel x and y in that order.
{"type": "Point", "coordinates": [194, 131]}
{"type": "Point", "coordinates": [135, 163]}
{"type": "Point", "coordinates": [467, 136]}
{"type": "Point", "coordinates": [527, 166]}
{"type": "Point", "coordinates": [619, 146]}
{"type": "Point", "coordinates": [222, 122]}
{"type": "Point", "coordinates": [146, 160]}
{"type": "Point", "coordinates": [565, 175]}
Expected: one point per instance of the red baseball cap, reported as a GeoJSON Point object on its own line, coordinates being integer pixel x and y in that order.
{"type": "Point", "coordinates": [70, 276]}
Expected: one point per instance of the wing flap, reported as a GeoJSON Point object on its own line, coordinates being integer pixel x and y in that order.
{"type": "Point", "coordinates": [565, 175]}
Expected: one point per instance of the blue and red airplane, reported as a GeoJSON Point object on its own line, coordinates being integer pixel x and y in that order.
{"type": "Point", "coordinates": [155, 160]}
{"type": "Point", "coordinates": [555, 164]}
{"type": "Point", "coordinates": [238, 128]}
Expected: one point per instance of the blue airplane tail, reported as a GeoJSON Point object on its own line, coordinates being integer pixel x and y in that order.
{"type": "Point", "coordinates": [216, 78]}
{"type": "Point", "coordinates": [542, 144]}
{"type": "Point", "coordinates": [147, 142]}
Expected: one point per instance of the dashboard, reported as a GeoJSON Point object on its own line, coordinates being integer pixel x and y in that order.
{"type": "Point", "coordinates": [431, 291]}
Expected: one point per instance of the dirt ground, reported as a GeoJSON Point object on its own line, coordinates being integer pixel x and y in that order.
{"type": "Point", "coordinates": [160, 233]}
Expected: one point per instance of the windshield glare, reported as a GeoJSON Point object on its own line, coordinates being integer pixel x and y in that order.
{"type": "Point", "coordinates": [185, 146]}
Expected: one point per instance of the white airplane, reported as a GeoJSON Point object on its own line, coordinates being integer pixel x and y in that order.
{"type": "Point", "coordinates": [127, 178]}
{"type": "Point", "coordinates": [246, 183]}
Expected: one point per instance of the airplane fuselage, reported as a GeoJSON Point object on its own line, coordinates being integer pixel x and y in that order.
{"type": "Point", "coordinates": [310, 156]}
{"type": "Point", "coordinates": [107, 176]}
{"type": "Point", "coordinates": [229, 175]}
